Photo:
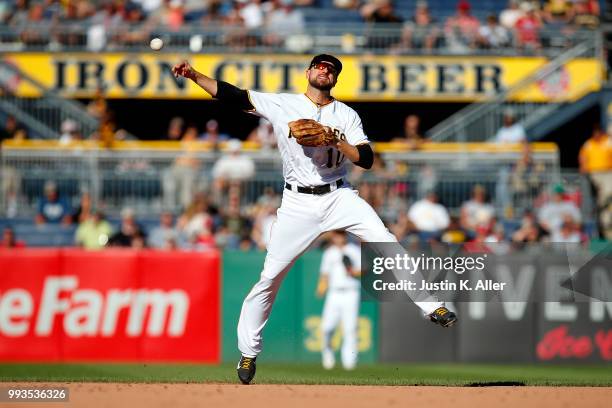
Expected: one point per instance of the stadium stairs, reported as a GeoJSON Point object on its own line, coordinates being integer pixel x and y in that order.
{"type": "Point", "coordinates": [479, 121]}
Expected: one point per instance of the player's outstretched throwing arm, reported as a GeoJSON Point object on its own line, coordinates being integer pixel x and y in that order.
{"type": "Point", "coordinates": [217, 89]}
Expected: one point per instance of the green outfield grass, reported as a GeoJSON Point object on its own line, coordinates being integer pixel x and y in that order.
{"type": "Point", "coordinates": [379, 374]}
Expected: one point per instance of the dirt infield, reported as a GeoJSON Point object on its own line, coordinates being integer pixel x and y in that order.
{"type": "Point", "coordinates": [97, 395]}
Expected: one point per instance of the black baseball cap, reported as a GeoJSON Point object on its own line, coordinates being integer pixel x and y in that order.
{"type": "Point", "coordinates": [330, 59]}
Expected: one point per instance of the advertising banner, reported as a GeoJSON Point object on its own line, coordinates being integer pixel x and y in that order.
{"type": "Point", "coordinates": [363, 78]}
{"type": "Point", "coordinates": [541, 304]}
{"type": "Point", "coordinates": [113, 305]}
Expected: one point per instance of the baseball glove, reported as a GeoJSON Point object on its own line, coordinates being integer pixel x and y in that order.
{"type": "Point", "coordinates": [309, 132]}
{"type": "Point", "coordinates": [347, 262]}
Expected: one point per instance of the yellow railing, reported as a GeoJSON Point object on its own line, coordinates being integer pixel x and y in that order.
{"type": "Point", "coordinates": [164, 145]}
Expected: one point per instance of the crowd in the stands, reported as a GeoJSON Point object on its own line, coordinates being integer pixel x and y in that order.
{"type": "Point", "coordinates": [99, 25]}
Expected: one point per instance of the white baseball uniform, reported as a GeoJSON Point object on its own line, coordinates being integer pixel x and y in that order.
{"type": "Point", "coordinates": [341, 301]}
{"type": "Point", "coordinates": [303, 217]}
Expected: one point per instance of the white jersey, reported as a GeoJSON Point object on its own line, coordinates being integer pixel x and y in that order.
{"type": "Point", "coordinates": [333, 267]}
{"type": "Point", "coordinates": [302, 165]}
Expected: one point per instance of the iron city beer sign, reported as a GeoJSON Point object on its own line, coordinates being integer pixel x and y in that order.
{"type": "Point", "coordinates": [364, 78]}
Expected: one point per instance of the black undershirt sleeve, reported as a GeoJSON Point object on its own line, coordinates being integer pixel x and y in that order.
{"type": "Point", "coordinates": [366, 156]}
{"type": "Point", "coordinates": [231, 94]}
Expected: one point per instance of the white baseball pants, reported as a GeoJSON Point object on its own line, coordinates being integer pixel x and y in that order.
{"type": "Point", "coordinates": [301, 219]}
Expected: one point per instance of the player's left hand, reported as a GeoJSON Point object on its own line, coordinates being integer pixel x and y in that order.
{"type": "Point", "coordinates": [309, 132]}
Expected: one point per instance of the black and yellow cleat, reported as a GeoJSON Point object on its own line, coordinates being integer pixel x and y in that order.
{"type": "Point", "coordinates": [246, 369]}
{"type": "Point", "coordinates": [443, 317]}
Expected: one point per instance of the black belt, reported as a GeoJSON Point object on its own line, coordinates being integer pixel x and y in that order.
{"type": "Point", "coordinates": [316, 190]}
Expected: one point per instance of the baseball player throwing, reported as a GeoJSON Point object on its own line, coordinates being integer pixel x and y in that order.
{"type": "Point", "coordinates": [340, 270]}
{"type": "Point", "coordinates": [317, 135]}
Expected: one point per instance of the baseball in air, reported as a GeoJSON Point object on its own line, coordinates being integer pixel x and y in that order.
{"type": "Point", "coordinates": [156, 44]}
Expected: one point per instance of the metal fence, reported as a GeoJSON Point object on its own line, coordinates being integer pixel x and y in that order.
{"type": "Point", "coordinates": [340, 36]}
{"type": "Point", "coordinates": [480, 121]}
{"type": "Point", "coordinates": [149, 181]}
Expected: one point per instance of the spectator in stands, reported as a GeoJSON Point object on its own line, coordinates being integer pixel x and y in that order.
{"type": "Point", "coordinates": [175, 128]}
{"type": "Point", "coordinates": [454, 234]}
{"type": "Point", "coordinates": [5, 12]}
{"type": "Point", "coordinates": [263, 134]}
{"type": "Point", "coordinates": [246, 244]}
{"type": "Point", "coordinates": [568, 232]}
{"type": "Point", "coordinates": [71, 18]}
{"type": "Point", "coordinates": [10, 184]}
{"type": "Point", "coordinates": [69, 130]}
{"type": "Point", "coordinates": [234, 25]}
{"type": "Point", "coordinates": [380, 11]}
{"type": "Point", "coordinates": [9, 240]}
{"type": "Point", "coordinates": [394, 202]}
{"type": "Point", "coordinates": [509, 16]}
{"type": "Point", "coordinates": [252, 13]}
{"type": "Point", "coordinates": [150, 6]}
{"type": "Point", "coordinates": [526, 178]}
{"type": "Point", "coordinates": [12, 130]}
{"type": "Point", "coordinates": [511, 131]}
{"type": "Point", "coordinates": [282, 21]}
{"type": "Point", "coordinates": [194, 9]}
{"type": "Point", "coordinates": [341, 4]}
{"type": "Point", "coordinates": [586, 14]}
{"type": "Point", "coordinates": [108, 131]}
{"type": "Point", "coordinates": [420, 31]}
{"type": "Point", "coordinates": [264, 218]}
{"type": "Point", "coordinates": [214, 14]}
{"type": "Point", "coordinates": [238, 225]}
{"type": "Point", "coordinates": [181, 179]}
{"type": "Point", "coordinates": [595, 159]}
{"type": "Point", "coordinates": [411, 136]}
{"type": "Point", "coordinates": [128, 231]}
{"type": "Point", "coordinates": [230, 171]}
{"type": "Point", "coordinates": [195, 225]}
{"type": "Point", "coordinates": [476, 212]}
{"type": "Point", "coordinates": [492, 34]}
{"type": "Point", "coordinates": [212, 134]}
{"type": "Point", "coordinates": [84, 210]}
{"type": "Point", "coordinates": [527, 28]}
{"type": "Point", "coordinates": [529, 230]}
{"type": "Point", "coordinates": [557, 14]}
{"type": "Point", "coordinates": [164, 236]}
{"type": "Point", "coordinates": [52, 208]}
{"type": "Point", "coordinates": [103, 26]}
{"type": "Point", "coordinates": [429, 217]}
{"type": "Point", "coordinates": [171, 14]}
{"type": "Point", "coordinates": [552, 214]}
{"type": "Point", "coordinates": [93, 232]}
{"type": "Point", "coordinates": [461, 30]}
{"type": "Point", "coordinates": [139, 241]}
{"type": "Point", "coordinates": [18, 14]}
{"type": "Point", "coordinates": [34, 29]}
{"type": "Point", "coordinates": [379, 14]}
{"type": "Point", "coordinates": [232, 168]}
{"type": "Point", "coordinates": [497, 235]}
{"type": "Point", "coordinates": [98, 106]}
{"type": "Point", "coordinates": [137, 29]}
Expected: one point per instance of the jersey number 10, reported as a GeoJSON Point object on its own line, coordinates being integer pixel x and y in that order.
{"type": "Point", "coordinates": [330, 152]}
{"type": "Point", "coordinates": [330, 158]}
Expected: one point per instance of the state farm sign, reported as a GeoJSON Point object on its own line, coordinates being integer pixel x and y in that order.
{"type": "Point", "coordinates": [90, 312]}
{"type": "Point", "coordinates": [115, 305]}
